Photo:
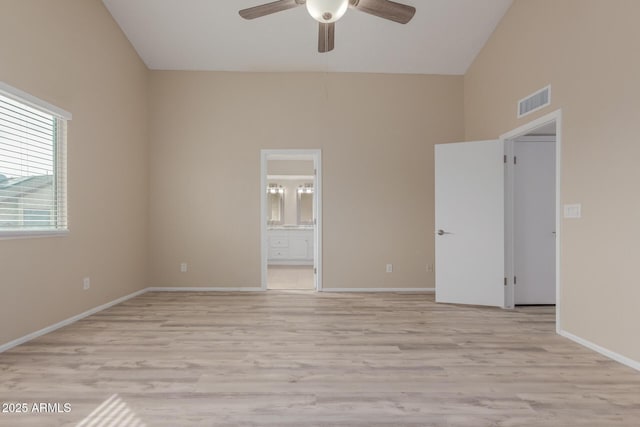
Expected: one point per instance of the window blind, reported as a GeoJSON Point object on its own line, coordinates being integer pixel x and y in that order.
{"type": "Point", "coordinates": [32, 167]}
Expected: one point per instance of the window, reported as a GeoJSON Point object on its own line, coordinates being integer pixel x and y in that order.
{"type": "Point", "coordinates": [33, 188]}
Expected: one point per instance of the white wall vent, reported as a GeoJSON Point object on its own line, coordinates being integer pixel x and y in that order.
{"type": "Point", "coordinates": [534, 102]}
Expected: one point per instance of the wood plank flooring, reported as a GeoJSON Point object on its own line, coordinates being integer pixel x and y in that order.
{"type": "Point", "coordinates": [304, 359]}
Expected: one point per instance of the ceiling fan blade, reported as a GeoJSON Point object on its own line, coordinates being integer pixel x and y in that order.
{"type": "Point", "coordinates": [269, 8]}
{"type": "Point", "coordinates": [386, 9]}
{"type": "Point", "coordinates": [326, 37]}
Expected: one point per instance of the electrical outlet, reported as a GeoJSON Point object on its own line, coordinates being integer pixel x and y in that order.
{"type": "Point", "coordinates": [183, 267]}
{"type": "Point", "coordinates": [86, 283]}
{"type": "Point", "coordinates": [389, 268]}
{"type": "Point", "coordinates": [430, 268]}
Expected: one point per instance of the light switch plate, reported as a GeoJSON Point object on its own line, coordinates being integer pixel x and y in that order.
{"type": "Point", "coordinates": [573, 211]}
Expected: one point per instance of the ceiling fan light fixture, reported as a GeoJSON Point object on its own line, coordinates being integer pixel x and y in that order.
{"type": "Point", "coordinates": [327, 11]}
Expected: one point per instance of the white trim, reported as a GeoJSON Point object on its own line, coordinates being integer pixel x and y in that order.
{"type": "Point", "coordinates": [548, 87]}
{"type": "Point", "coordinates": [66, 322]}
{"type": "Point", "coordinates": [536, 138]}
{"type": "Point", "coordinates": [291, 177]}
{"type": "Point", "coordinates": [555, 116]}
{"type": "Point", "coordinates": [31, 234]}
{"type": "Point", "coordinates": [605, 352]}
{"type": "Point", "coordinates": [203, 289]}
{"type": "Point", "coordinates": [291, 154]}
{"type": "Point", "coordinates": [317, 200]}
{"type": "Point", "coordinates": [35, 102]}
{"type": "Point", "coordinates": [403, 290]}
{"type": "Point", "coordinates": [264, 226]}
{"type": "Point", "coordinates": [509, 241]}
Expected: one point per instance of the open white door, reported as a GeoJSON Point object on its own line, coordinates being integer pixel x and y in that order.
{"type": "Point", "coordinates": [469, 202]}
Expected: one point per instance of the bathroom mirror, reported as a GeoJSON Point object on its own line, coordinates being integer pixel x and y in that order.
{"type": "Point", "coordinates": [305, 204]}
{"type": "Point", "coordinates": [275, 205]}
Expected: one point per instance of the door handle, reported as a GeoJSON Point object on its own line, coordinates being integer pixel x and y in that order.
{"type": "Point", "coordinates": [442, 232]}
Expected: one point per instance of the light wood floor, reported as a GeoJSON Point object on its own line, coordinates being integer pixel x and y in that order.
{"type": "Point", "coordinates": [290, 277]}
{"type": "Point", "coordinates": [304, 359]}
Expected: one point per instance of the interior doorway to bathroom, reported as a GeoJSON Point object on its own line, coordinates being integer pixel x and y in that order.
{"type": "Point", "coordinates": [291, 193]}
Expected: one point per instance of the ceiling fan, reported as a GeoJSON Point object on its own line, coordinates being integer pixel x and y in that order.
{"type": "Point", "coordinates": [327, 12]}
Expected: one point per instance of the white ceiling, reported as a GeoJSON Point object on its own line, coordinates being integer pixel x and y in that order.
{"type": "Point", "coordinates": [443, 38]}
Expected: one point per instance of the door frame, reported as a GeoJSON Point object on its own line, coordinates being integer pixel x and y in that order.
{"type": "Point", "coordinates": [508, 139]}
{"type": "Point", "coordinates": [316, 155]}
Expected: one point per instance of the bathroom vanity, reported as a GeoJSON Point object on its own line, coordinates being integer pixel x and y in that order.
{"type": "Point", "coordinates": [290, 245]}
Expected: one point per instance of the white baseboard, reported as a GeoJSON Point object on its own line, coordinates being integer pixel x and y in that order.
{"type": "Point", "coordinates": [259, 289]}
{"type": "Point", "coordinates": [416, 290]}
{"type": "Point", "coordinates": [70, 320]}
{"type": "Point", "coordinates": [202, 289]}
{"type": "Point", "coordinates": [605, 352]}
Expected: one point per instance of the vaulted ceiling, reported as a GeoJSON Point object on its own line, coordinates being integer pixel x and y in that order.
{"type": "Point", "coordinates": [443, 38]}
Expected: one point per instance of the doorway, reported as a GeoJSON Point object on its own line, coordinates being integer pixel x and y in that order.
{"type": "Point", "coordinates": [532, 214]}
{"type": "Point", "coordinates": [534, 211]}
{"type": "Point", "coordinates": [290, 219]}
{"type": "Point", "coordinates": [474, 213]}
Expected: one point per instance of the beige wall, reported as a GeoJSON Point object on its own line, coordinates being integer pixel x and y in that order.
{"type": "Point", "coordinates": [72, 54]}
{"type": "Point", "coordinates": [376, 133]}
{"type": "Point", "coordinates": [588, 51]}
